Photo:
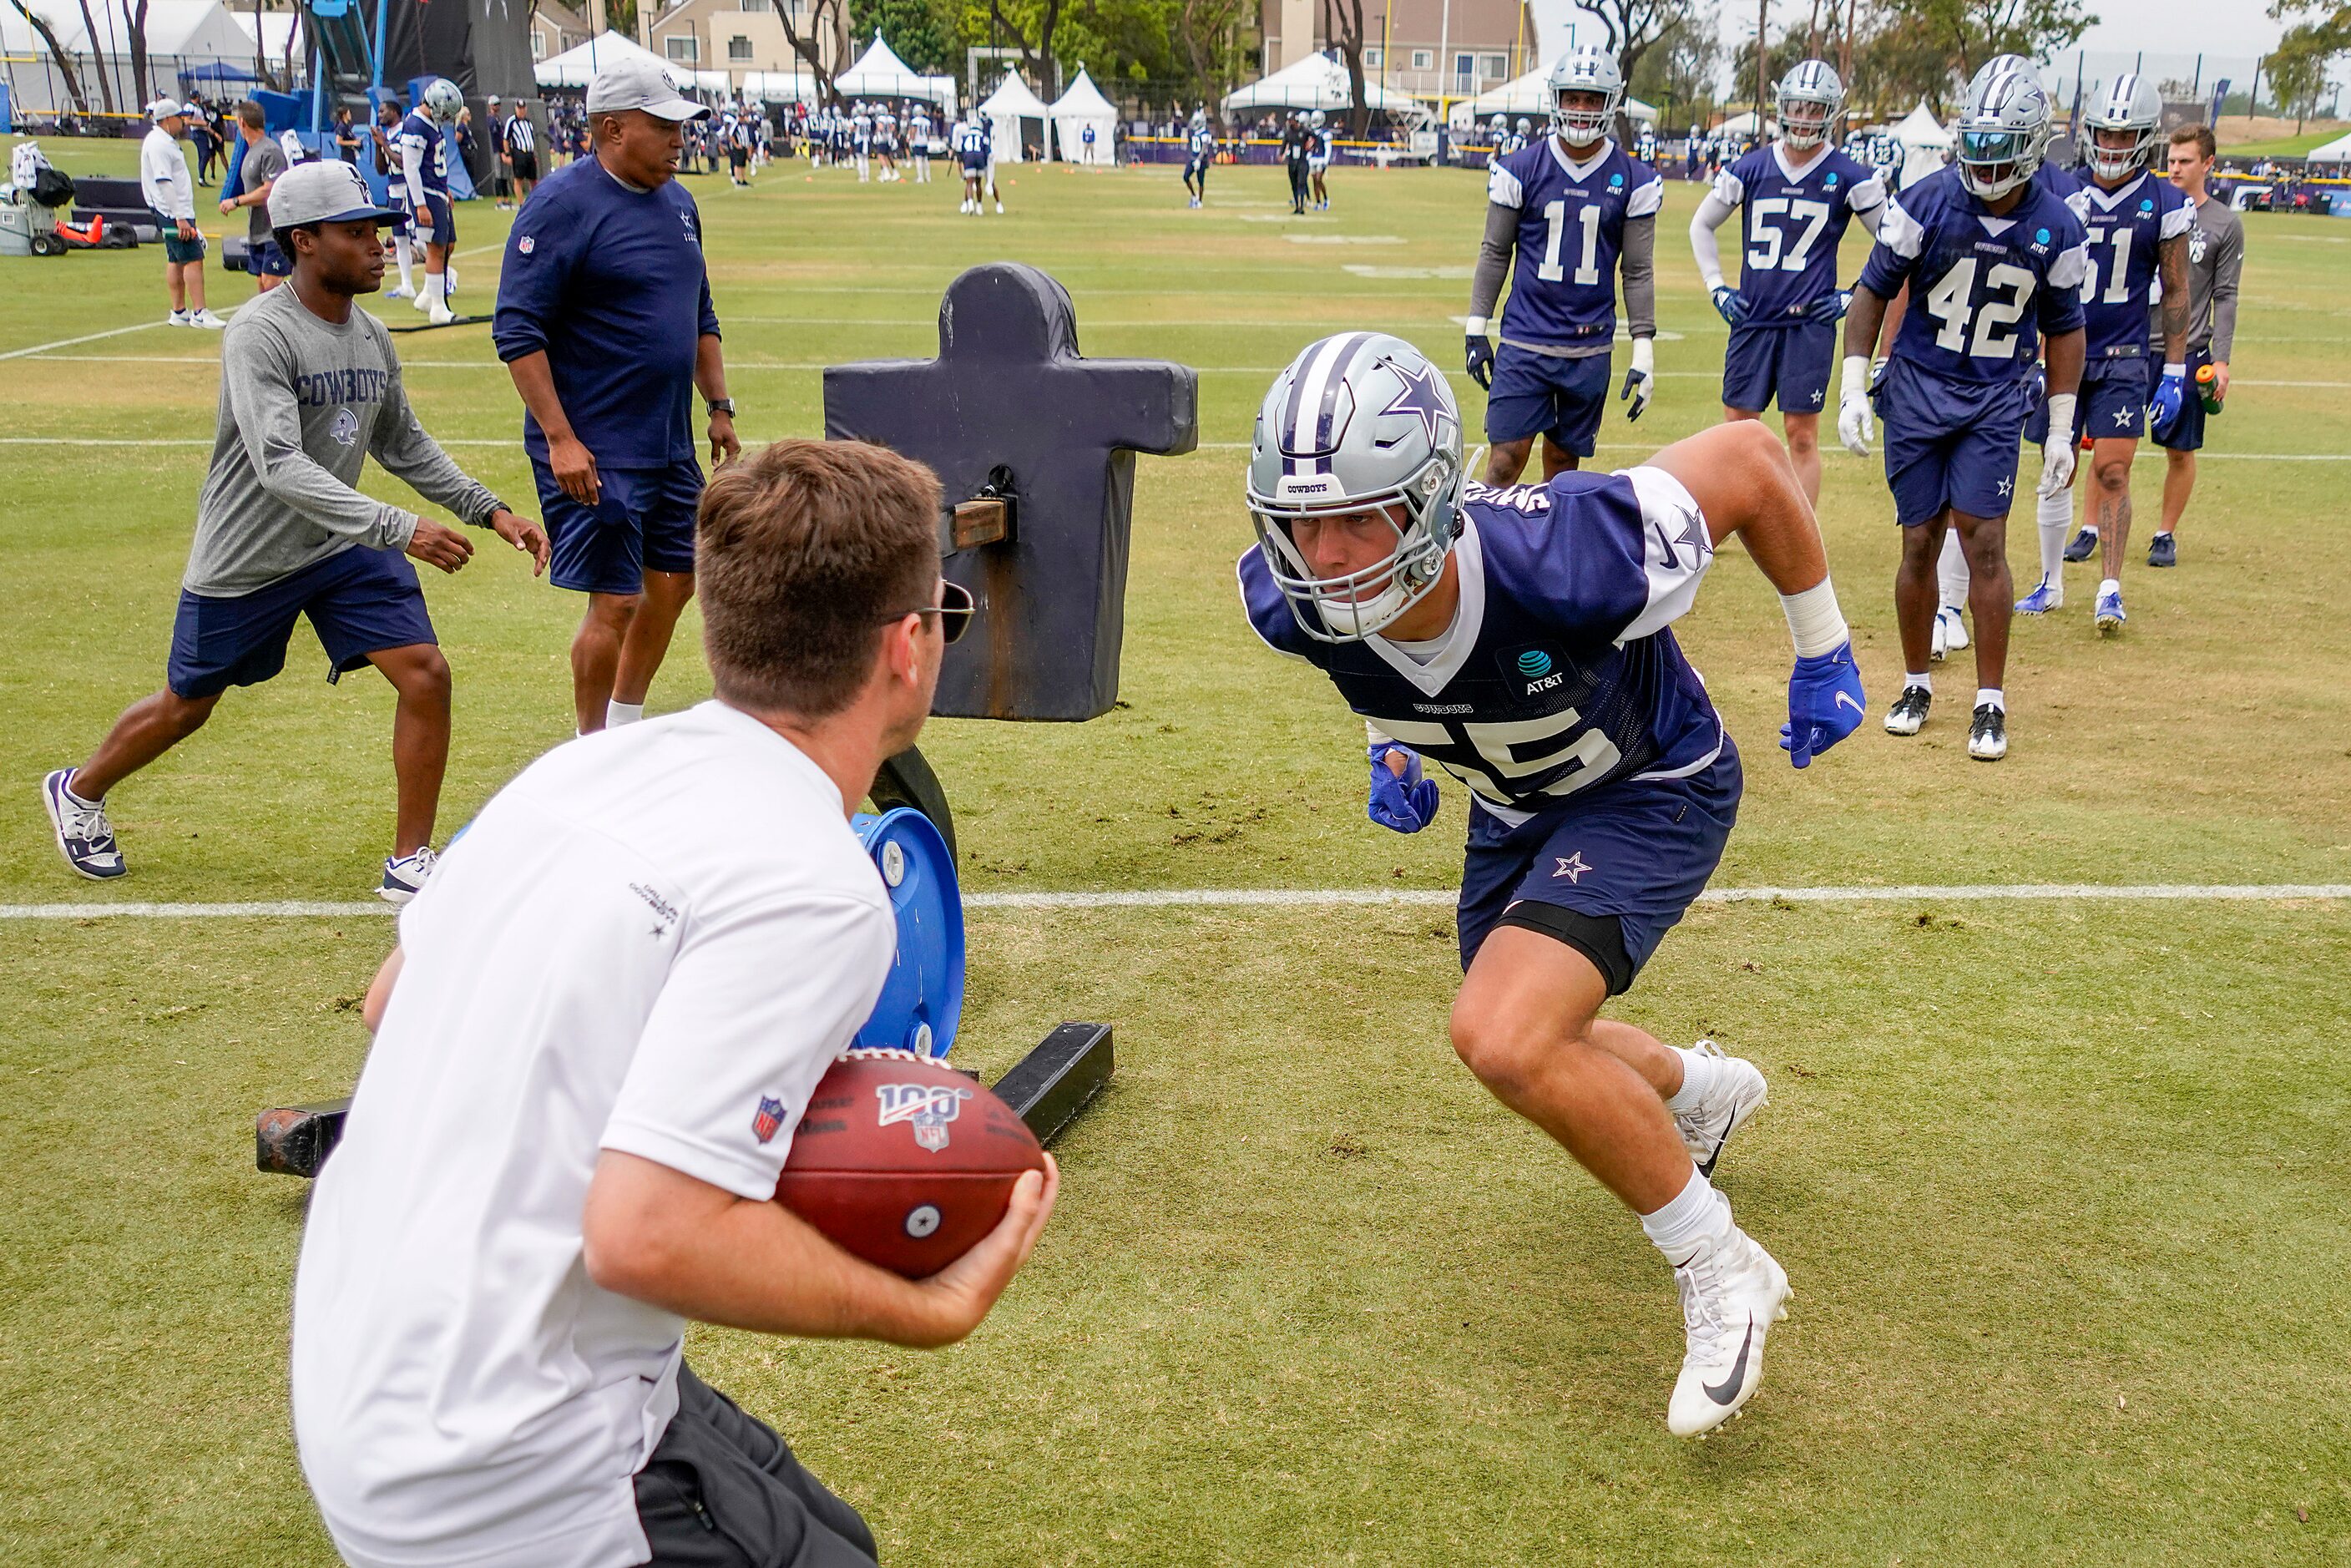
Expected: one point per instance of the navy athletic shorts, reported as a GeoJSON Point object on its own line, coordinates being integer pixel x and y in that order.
{"type": "Point", "coordinates": [642, 521]}
{"type": "Point", "coordinates": [2112, 402]}
{"type": "Point", "coordinates": [264, 259]}
{"type": "Point", "coordinates": [1949, 446]}
{"type": "Point", "coordinates": [360, 602]}
{"type": "Point", "coordinates": [176, 250]}
{"type": "Point", "coordinates": [1544, 394]}
{"type": "Point", "coordinates": [2189, 434]}
{"type": "Point", "coordinates": [1609, 873]}
{"type": "Point", "coordinates": [1788, 365]}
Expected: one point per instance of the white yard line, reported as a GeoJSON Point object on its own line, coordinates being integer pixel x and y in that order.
{"type": "Point", "coordinates": [1320, 898]}
{"type": "Point", "coordinates": [42, 348]}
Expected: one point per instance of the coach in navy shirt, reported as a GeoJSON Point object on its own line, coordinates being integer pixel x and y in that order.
{"type": "Point", "coordinates": [604, 321]}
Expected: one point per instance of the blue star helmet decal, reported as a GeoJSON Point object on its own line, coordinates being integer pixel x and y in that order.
{"type": "Point", "coordinates": [1424, 394]}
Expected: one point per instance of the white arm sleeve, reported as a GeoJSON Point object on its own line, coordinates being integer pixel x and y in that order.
{"type": "Point", "coordinates": [412, 170]}
{"type": "Point", "coordinates": [1711, 213]}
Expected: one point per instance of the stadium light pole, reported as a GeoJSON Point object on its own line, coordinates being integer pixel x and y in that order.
{"type": "Point", "coordinates": [1444, 62]}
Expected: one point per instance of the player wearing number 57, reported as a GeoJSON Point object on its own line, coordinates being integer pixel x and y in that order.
{"type": "Point", "coordinates": [1994, 260]}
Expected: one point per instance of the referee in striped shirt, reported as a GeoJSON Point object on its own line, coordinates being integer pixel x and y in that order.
{"type": "Point", "coordinates": [518, 151]}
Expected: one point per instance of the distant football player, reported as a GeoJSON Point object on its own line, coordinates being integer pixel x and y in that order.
{"type": "Point", "coordinates": [1993, 261]}
{"type": "Point", "coordinates": [1200, 151]}
{"type": "Point", "coordinates": [972, 145]}
{"type": "Point", "coordinates": [885, 143]}
{"type": "Point", "coordinates": [310, 389]}
{"type": "Point", "coordinates": [1575, 210]}
{"type": "Point", "coordinates": [861, 130]}
{"type": "Point", "coordinates": [2137, 223]}
{"type": "Point", "coordinates": [2216, 255]}
{"type": "Point", "coordinates": [1318, 160]}
{"type": "Point", "coordinates": [920, 145]}
{"type": "Point", "coordinates": [1798, 195]}
{"type": "Point", "coordinates": [423, 154]}
{"type": "Point", "coordinates": [1520, 638]}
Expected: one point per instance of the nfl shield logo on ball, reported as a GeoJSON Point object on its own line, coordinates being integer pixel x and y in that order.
{"type": "Point", "coordinates": [929, 1106]}
{"type": "Point", "coordinates": [770, 1118]}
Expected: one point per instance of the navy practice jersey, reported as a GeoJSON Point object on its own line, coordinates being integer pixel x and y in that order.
{"type": "Point", "coordinates": [1571, 231]}
{"type": "Point", "coordinates": [1204, 145]}
{"type": "Point", "coordinates": [972, 142]}
{"type": "Point", "coordinates": [2126, 227]}
{"type": "Point", "coordinates": [1560, 673]}
{"type": "Point", "coordinates": [420, 137]}
{"type": "Point", "coordinates": [1794, 220]}
{"type": "Point", "coordinates": [1982, 288]}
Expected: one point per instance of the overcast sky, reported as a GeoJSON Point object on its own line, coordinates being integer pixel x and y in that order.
{"type": "Point", "coordinates": [2232, 27]}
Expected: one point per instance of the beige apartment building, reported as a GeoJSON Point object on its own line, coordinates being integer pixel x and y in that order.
{"type": "Point", "coordinates": [555, 28]}
{"type": "Point", "coordinates": [732, 36]}
{"type": "Point", "coordinates": [1430, 48]}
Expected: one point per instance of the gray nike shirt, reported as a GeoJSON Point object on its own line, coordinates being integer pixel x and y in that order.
{"type": "Point", "coordinates": [302, 404]}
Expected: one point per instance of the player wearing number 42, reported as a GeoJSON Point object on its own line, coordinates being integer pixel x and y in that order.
{"type": "Point", "coordinates": [1994, 259]}
{"type": "Point", "coordinates": [1522, 639]}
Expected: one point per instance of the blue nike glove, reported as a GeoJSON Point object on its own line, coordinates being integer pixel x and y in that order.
{"type": "Point", "coordinates": [1826, 703]}
{"type": "Point", "coordinates": [1831, 307]}
{"type": "Point", "coordinates": [1403, 802]}
{"type": "Point", "coordinates": [1481, 360]}
{"type": "Point", "coordinates": [1729, 305]}
{"type": "Point", "coordinates": [2036, 385]}
{"type": "Point", "coordinates": [2170, 402]}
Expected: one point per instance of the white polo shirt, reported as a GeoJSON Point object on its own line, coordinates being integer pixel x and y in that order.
{"type": "Point", "coordinates": [163, 175]}
{"type": "Point", "coordinates": [654, 940]}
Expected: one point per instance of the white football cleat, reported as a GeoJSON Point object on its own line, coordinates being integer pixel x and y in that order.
{"type": "Point", "coordinates": [1738, 1093]}
{"type": "Point", "coordinates": [1951, 634]}
{"type": "Point", "coordinates": [404, 876]}
{"type": "Point", "coordinates": [1732, 1292]}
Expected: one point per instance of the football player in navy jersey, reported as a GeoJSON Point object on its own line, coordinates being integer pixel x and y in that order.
{"type": "Point", "coordinates": [1798, 195]}
{"type": "Point", "coordinates": [423, 176]}
{"type": "Point", "coordinates": [1574, 209]}
{"type": "Point", "coordinates": [1520, 639]}
{"type": "Point", "coordinates": [2137, 222]}
{"type": "Point", "coordinates": [1200, 151]}
{"type": "Point", "coordinates": [1993, 261]}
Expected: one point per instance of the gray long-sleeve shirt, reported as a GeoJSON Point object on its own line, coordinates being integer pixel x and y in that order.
{"type": "Point", "coordinates": [2216, 253]}
{"type": "Point", "coordinates": [302, 404]}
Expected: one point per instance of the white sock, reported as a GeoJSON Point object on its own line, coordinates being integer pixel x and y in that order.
{"type": "Point", "coordinates": [1697, 1079]}
{"type": "Point", "coordinates": [1993, 697]}
{"type": "Point", "coordinates": [2109, 585]}
{"type": "Point", "coordinates": [617, 713]}
{"type": "Point", "coordinates": [1923, 683]}
{"type": "Point", "coordinates": [1698, 1210]}
{"type": "Point", "coordinates": [434, 284]}
{"type": "Point", "coordinates": [1951, 572]}
{"type": "Point", "coordinates": [2054, 516]}
{"type": "Point", "coordinates": [400, 253]}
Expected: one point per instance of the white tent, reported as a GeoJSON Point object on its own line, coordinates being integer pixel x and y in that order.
{"type": "Point", "coordinates": [1006, 107]}
{"type": "Point", "coordinates": [1080, 107]}
{"type": "Point", "coordinates": [180, 34]}
{"type": "Point", "coordinates": [1318, 81]}
{"type": "Point", "coordinates": [1924, 144]}
{"type": "Point", "coordinates": [280, 36]}
{"type": "Point", "coordinates": [779, 87]}
{"type": "Point", "coordinates": [577, 66]}
{"type": "Point", "coordinates": [879, 73]}
{"type": "Point", "coordinates": [2336, 151]}
{"type": "Point", "coordinates": [1527, 95]}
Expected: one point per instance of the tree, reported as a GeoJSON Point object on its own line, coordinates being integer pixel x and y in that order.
{"type": "Point", "coordinates": [1973, 31]}
{"type": "Point", "coordinates": [1350, 14]}
{"type": "Point", "coordinates": [138, 20]}
{"type": "Point", "coordinates": [921, 31]}
{"type": "Point", "coordinates": [58, 56]}
{"type": "Point", "coordinates": [1678, 73]}
{"type": "Point", "coordinates": [98, 57]}
{"type": "Point", "coordinates": [1204, 33]}
{"type": "Point", "coordinates": [1633, 27]}
{"type": "Point", "coordinates": [828, 35]}
{"type": "Point", "coordinates": [2297, 69]}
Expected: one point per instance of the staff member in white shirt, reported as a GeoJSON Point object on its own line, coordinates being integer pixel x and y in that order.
{"type": "Point", "coordinates": [557, 1155]}
{"type": "Point", "coordinates": [171, 197]}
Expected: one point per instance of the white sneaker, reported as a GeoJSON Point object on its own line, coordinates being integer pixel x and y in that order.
{"type": "Point", "coordinates": [404, 876]}
{"type": "Point", "coordinates": [206, 320]}
{"type": "Point", "coordinates": [399, 291]}
{"type": "Point", "coordinates": [84, 835]}
{"type": "Point", "coordinates": [178, 319]}
{"type": "Point", "coordinates": [1738, 1092]}
{"type": "Point", "coordinates": [423, 298]}
{"type": "Point", "coordinates": [999, 209]}
{"type": "Point", "coordinates": [439, 313]}
{"type": "Point", "coordinates": [1732, 1292]}
{"type": "Point", "coordinates": [1951, 634]}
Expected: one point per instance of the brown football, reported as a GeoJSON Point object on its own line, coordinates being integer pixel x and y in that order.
{"type": "Point", "coordinates": [904, 1162]}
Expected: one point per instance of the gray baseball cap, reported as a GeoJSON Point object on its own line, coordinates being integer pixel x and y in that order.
{"type": "Point", "coordinates": [324, 193]}
{"type": "Point", "coordinates": [641, 83]}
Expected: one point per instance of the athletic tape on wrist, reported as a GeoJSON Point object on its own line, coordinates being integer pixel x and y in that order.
{"type": "Point", "coordinates": [1814, 622]}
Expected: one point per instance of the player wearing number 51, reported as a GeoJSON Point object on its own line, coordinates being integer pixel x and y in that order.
{"type": "Point", "coordinates": [1522, 639]}
{"type": "Point", "coordinates": [1994, 260]}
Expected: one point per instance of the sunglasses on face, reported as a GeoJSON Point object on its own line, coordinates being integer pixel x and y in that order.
{"type": "Point", "coordinates": [954, 610]}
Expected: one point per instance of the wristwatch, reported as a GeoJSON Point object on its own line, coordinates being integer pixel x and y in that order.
{"type": "Point", "coordinates": [719, 405]}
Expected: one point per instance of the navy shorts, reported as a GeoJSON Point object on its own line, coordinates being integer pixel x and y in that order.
{"type": "Point", "coordinates": [1637, 852]}
{"type": "Point", "coordinates": [1940, 455]}
{"type": "Point", "coordinates": [1544, 394]}
{"type": "Point", "coordinates": [264, 259]}
{"type": "Point", "coordinates": [2112, 403]}
{"type": "Point", "coordinates": [178, 251]}
{"type": "Point", "coordinates": [361, 601]}
{"type": "Point", "coordinates": [2187, 436]}
{"type": "Point", "coordinates": [642, 521]}
{"type": "Point", "coordinates": [400, 226]}
{"type": "Point", "coordinates": [444, 218]}
{"type": "Point", "coordinates": [1196, 168]}
{"type": "Point", "coordinates": [1787, 364]}
{"type": "Point", "coordinates": [973, 168]}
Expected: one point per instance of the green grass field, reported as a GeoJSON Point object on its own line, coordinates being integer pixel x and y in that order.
{"type": "Point", "coordinates": [2060, 1183]}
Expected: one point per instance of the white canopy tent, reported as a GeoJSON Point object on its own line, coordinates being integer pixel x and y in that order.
{"type": "Point", "coordinates": [1924, 143]}
{"type": "Point", "coordinates": [2336, 151]}
{"type": "Point", "coordinates": [1318, 81]}
{"type": "Point", "coordinates": [1006, 107]}
{"type": "Point", "coordinates": [1527, 95]}
{"type": "Point", "coordinates": [1077, 108]}
{"type": "Point", "coordinates": [578, 66]}
{"type": "Point", "coordinates": [180, 34]}
{"type": "Point", "coordinates": [879, 73]}
{"type": "Point", "coordinates": [779, 87]}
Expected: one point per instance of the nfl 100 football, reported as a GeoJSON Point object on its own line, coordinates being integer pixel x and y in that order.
{"type": "Point", "coordinates": [904, 1161]}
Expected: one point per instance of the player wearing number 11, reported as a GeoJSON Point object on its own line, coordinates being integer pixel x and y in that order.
{"type": "Point", "coordinates": [1994, 260]}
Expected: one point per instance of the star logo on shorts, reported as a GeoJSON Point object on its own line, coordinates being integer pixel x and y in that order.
{"type": "Point", "coordinates": [2007, 485]}
{"type": "Point", "coordinates": [1571, 867]}
{"type": "Point", "coordinates": [2122, 418]}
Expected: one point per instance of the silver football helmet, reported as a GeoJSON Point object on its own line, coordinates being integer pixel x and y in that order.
{"type": "Point", "coordinates": [2004, 127]}
{"type": "Point", "coordinates": [1589, 68]}
{"type": "Point", "coordinates": [1809, 98]}
{"type": "Point", "coordinates": [1360, 421]}
{"type": "Point", "coordinates": [1521, 126]}
{"type": "Point", "coordinates": [2130, 102]}
{"type": "Point", "coordinates": [1315, 120]}
{"type": "Point", "coordinates": [443, 101]}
